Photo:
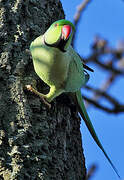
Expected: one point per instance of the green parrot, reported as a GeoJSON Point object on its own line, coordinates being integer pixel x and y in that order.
{"type": "Point", "coordinates": [61, 68]}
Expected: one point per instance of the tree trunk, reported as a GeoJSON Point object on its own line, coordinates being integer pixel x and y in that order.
{"type": "Point", "coordinates": [35, 142]}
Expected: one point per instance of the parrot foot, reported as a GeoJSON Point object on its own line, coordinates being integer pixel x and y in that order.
{"type": "Point", "coordinates": [42, 96]}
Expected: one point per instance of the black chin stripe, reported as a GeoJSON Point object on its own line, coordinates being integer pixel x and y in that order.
{"type": "Point", "coordinates": [59, 45]}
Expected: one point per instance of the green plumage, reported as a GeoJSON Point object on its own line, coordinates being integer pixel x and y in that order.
{"type": "Point", "coordinates": [59, 66]}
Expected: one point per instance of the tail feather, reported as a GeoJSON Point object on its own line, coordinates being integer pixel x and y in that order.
{"type": "Point", "coordinates": [83, 113]}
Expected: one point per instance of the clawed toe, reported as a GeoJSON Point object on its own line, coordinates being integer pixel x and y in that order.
{"type": "Point", "coordinates": [30, 88]}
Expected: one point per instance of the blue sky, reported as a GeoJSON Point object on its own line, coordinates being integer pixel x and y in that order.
{"type": "Point", "coordinates": [105, 18]}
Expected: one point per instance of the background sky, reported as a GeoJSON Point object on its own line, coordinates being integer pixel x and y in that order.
{"type": "Point", "coordinates": [105, 18]}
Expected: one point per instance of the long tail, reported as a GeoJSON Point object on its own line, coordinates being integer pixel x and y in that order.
{"type": "Point", "coordinates": [83, 113]}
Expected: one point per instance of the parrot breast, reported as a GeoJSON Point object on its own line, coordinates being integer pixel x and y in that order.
{"type": "Point", "coordinates": [49, 63]}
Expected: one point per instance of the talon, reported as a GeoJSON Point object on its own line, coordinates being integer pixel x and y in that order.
{"type": "Point", "coordinates": [30, 88]}
{"type": "Point", "coordinates": [46, 103]}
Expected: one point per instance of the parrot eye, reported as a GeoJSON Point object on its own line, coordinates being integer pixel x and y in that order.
{"type": "Point", "coordinates": [56, 25]}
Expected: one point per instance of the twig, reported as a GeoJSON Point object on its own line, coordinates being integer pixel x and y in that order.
{"type": "Point", "coordinates": [117, 107]}
{"type": "Point", "coordinates": [99, 93]}
{"type": "Point", "coordinates": [110, 68]}
{"type": "Point", "coordinates": [115, 110]}
{"type": "Point", "coordinates": [77, 16]}
{"type": "Point", "coordinates": [104, 94]}
{"type": "Point", "coordinates": [100, 48]}
{"type": "Point", "coordinates": [95, 59]}
{"type": "Point", "coordinates": [91, 171]}
{"type": "Point", "coordinates": [80, 9]}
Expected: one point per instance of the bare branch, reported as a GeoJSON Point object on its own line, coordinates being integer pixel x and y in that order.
{"type": "Point", "coordinates": [95, 56]}
{"type": "Point", "coordinates": [98, 94]}
{"type": "Point", "coordinates": [91, 171]}
{"type": "Point", "coordinates": [80, 9]}
{"type": "Point", "coordinates": [115, 110]}
{"type": "Point", "coordinates": [110, 68]}
{"type": "Point", "coordinates": [105, 86]}
{"type": "Point", "coordinates": [104, 94]}
{"type": "Point", "coordinates": [100, 50]}
{"type": "Point", "coordinates": [117, 106]}
{"type": "Point", "coordinates": [77, 16]}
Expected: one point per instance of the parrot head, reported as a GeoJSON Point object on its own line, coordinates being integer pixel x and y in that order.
{"type": "Point", "coordinates": [59, 34]}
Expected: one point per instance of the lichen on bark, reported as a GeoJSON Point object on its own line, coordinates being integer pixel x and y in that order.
{"type": "Point", "coordinates": [35, 143]}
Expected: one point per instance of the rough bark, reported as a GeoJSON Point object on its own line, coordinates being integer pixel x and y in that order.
{"type": "Point", "coordinates": [35, 143]}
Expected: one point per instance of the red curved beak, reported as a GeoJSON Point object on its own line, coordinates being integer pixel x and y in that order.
{"type": "Point", "coordinates": [66, 31]}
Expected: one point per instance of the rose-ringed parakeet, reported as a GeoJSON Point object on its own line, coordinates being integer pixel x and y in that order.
{"type": "Point", "coordinates": [61, 68]}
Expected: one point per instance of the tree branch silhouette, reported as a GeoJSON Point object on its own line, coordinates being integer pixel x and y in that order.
{"type": "Point", "coordinates": [115, 66]}
{"type": "Point", "coordinates": [80, 9]}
